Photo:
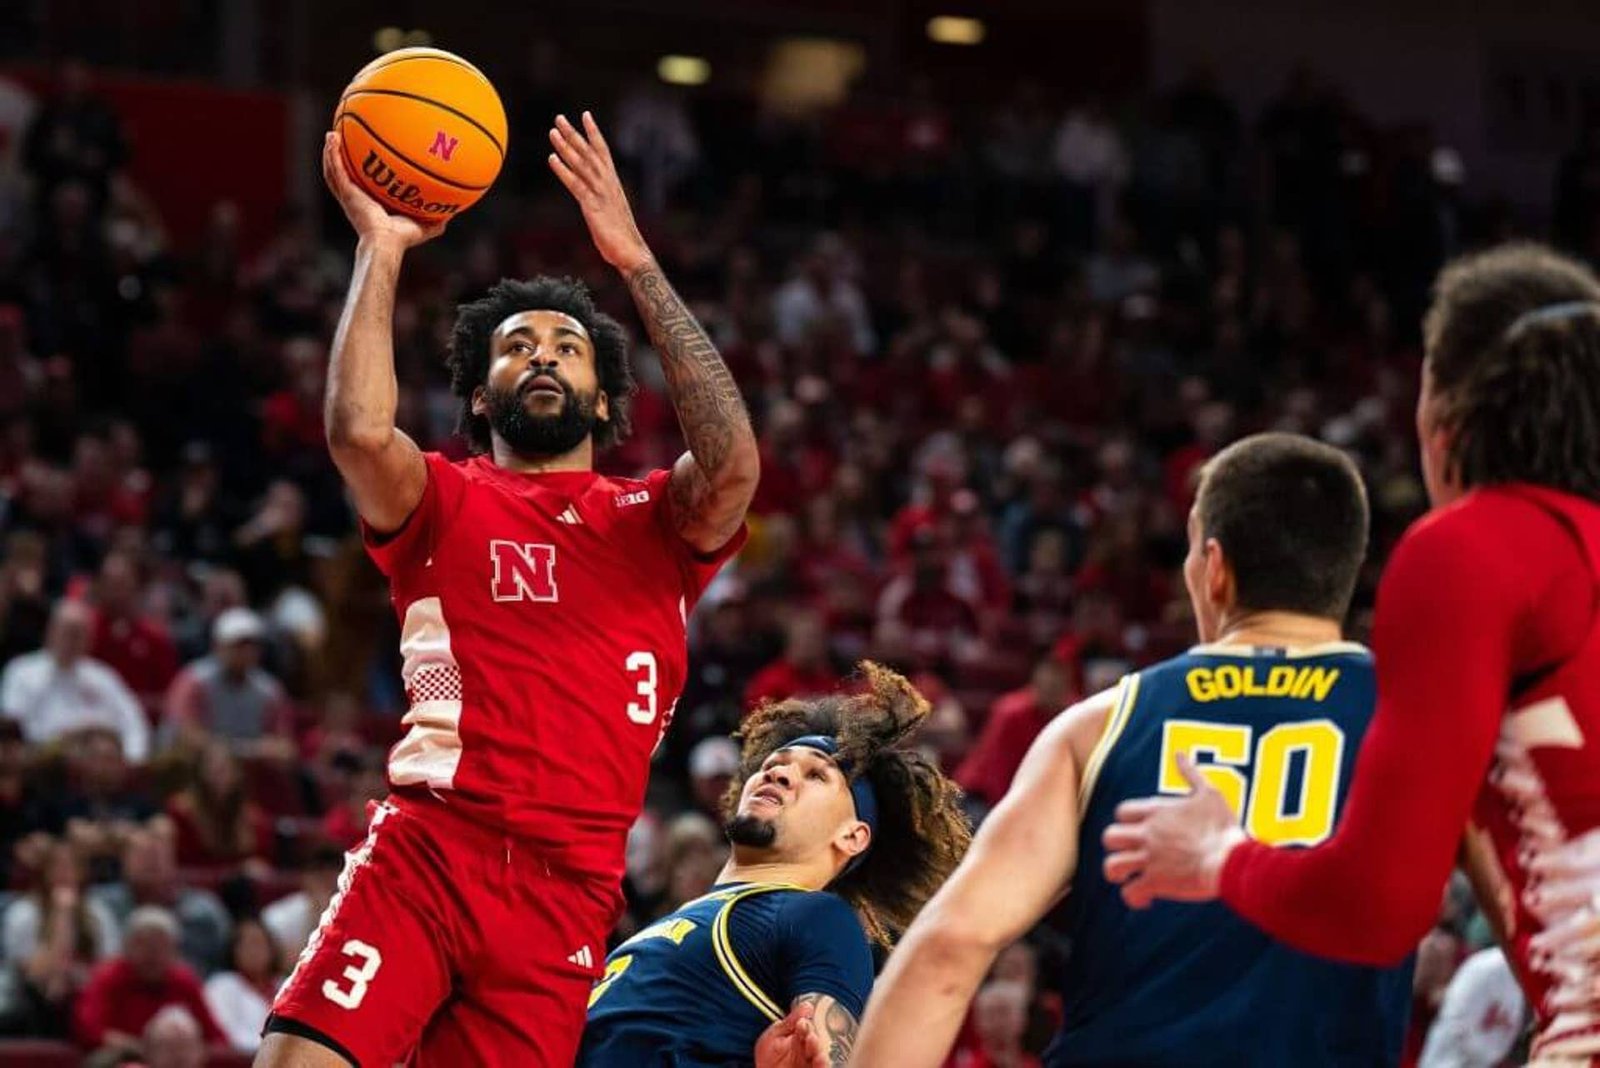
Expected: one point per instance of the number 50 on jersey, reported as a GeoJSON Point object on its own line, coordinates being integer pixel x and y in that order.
{"type": "Point", "coordinates": [1284, 785]}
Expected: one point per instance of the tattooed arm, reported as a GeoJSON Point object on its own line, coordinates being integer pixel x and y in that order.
{"type": "Point", "coordinates": [818, 1033]}
{"type": "Point", "coordinates": [713, 482]}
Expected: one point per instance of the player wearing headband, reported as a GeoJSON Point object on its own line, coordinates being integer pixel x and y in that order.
{"type": "Point", "coordinates": [838, 839]}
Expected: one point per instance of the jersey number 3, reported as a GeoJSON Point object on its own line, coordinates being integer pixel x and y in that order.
{"type": "Point", "coordinates": [1258, 785]}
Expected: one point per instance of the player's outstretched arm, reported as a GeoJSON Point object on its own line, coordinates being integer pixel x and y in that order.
{"type": "Point", "coordinates": [713, 482]}
{"type": "Point", "coordinates": [1019, 865]}
{"type": "Point", "coordinates": [382, 466]}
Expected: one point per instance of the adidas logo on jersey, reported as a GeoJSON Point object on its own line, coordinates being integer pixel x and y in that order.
{"type": "Point", "coordinates": [583, 958]}
{"type": "Point", "coordinates": [570, 517]}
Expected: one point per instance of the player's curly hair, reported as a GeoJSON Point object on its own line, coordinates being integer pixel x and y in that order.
{"type": "Point", "coordinates": [1513, 345]}
{"type": "Point", "coordinates": [468, 359]}
{"type": "Point", "coordinates": [922, 832]}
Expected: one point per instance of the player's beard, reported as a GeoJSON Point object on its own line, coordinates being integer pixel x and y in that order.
{"type": "Point", "coordinates": [531, 435]}
{"type": "Point", "coordinates": [747, 830]}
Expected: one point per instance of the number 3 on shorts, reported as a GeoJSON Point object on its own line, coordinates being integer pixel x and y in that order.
{"type": "Point", "coordinates": [371, 961]}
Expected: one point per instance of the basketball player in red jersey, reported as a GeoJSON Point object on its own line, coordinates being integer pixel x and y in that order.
{"type": "Point", "coordinates": [1487, 639]}
{"type": "Point", "coordinates": [542, 613]}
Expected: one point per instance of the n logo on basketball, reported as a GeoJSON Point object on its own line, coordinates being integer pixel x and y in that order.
{"type": "Point", "coordinates": [523, 572]}
{"type": "Point", "coordinates": [443, 146]}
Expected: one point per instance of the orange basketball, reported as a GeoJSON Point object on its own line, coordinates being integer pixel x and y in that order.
{"type": "Point", "coordinates": [423, 131]}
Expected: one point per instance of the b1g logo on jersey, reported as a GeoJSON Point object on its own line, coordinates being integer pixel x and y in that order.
{"type": "Point", "coordinates": [523, 572]}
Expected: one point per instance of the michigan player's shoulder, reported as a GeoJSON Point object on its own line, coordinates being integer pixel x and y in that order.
{"type": "Point", "coordinates": [826, 946]}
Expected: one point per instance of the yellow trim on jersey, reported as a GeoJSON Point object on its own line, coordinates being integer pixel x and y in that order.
{"type": "Point", "coordinates": [723, 946]}
{"type": "Point", "coordinates": [1115, 721]}
{"type": "Point", "coordinates": [1293, 652]}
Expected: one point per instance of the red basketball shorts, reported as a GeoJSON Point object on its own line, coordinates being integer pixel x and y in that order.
{"type": "Point", "coordinates": [452, 944]}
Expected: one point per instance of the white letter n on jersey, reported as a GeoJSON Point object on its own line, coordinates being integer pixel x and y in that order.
{"type": "Point", "coordinates": [523, 572]}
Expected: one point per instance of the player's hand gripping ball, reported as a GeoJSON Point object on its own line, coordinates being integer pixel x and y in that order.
{"type": "Point", "coordinates": [423, 132]}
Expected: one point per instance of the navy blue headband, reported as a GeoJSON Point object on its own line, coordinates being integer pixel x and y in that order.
{"type": "Point", "coordinates": [861, 792]}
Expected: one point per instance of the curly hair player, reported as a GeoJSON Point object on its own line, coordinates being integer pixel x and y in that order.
{"type": "Point", "coordinates": [1487, 638]}
{"type": "Point", "coordinates": [1276, 540]}
{"type": "Point", "coordinates": [830, 823]}
{"type": "Point", "coordinates": [542, 613]}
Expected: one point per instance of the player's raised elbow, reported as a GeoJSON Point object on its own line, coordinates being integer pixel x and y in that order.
{"type": "Point", "coordinates": [351, 435]}
{"type": "Point", "coordinates": [741, 472]}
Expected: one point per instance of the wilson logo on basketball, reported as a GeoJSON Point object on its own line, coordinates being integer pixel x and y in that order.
{"type": "Point", "coordinates": [443, 146]}
{"type": "Point", "coordinates": [407, 194]}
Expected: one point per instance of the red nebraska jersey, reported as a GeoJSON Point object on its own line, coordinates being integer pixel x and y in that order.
{"type": "Point", "coordinates": [542, 621]}
{"type": "Point", "coordinates": [1541, 807]}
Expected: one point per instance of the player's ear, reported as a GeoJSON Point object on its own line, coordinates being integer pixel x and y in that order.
{"type": "Point", "coordinates": [479, 405]}
{"type": "Point", "coordinates": [855, 838]}
{"type": "Point", "coordinates": [602, 406]}
{"type": "Point", "coordinates": [1218, 573]}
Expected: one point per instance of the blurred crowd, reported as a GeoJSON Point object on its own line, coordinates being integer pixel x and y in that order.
{"type": "Point", "coordinates": [986, 352]}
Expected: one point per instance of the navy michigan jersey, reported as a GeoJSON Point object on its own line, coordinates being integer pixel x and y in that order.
{"type": "Point", "coordinates": [1192, 984]}
{"type": "Point", "coordinates": [700, 986]}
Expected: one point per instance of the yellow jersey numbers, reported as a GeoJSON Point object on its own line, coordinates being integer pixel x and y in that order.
{"type": "Point", "coordinates": [1255, 774]}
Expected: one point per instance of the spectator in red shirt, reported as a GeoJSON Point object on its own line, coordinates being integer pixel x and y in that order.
{"type": "Point", "coordinates": [1014, 722]}
{"type": "Point", "coordinates": [1000, 1018]}
{"type": "Point", "coordinates": [125, 993]}
{"type": "Point", "coordinates": [919, 618]}
{"type": "Point", "coordinates": [101, 501]}
{"type": "Point", "coordinates": [291, 419]}
{"type": "Point", "coordinates": [802, 671]}
{"type": "Point", "coordinates": [218, 825]}
{"type": "Point", "coordinates": [345, 825]}
{"type": "Point", "coordinates": [135, 646]}
{"type": "Point", "coordinates": [930, 504]}
{"type": "Point", "coordinates": [976, 572]}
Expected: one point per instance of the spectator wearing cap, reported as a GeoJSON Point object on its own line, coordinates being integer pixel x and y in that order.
{"type": "Point", "coordinates": [803, 670]}
{"type": "Point", "coordinates": [713, 763]}
{"type": "Point", "coordinates": [227, 694]}
{"type": "Point", "coordinates": [1014, 722]}
{"type": "Point", "coordinates": [125, 993]}
{"type": "Point", "coordinates": [136, 647]}
{"type": "Point", "coordinates": [60, 689]}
